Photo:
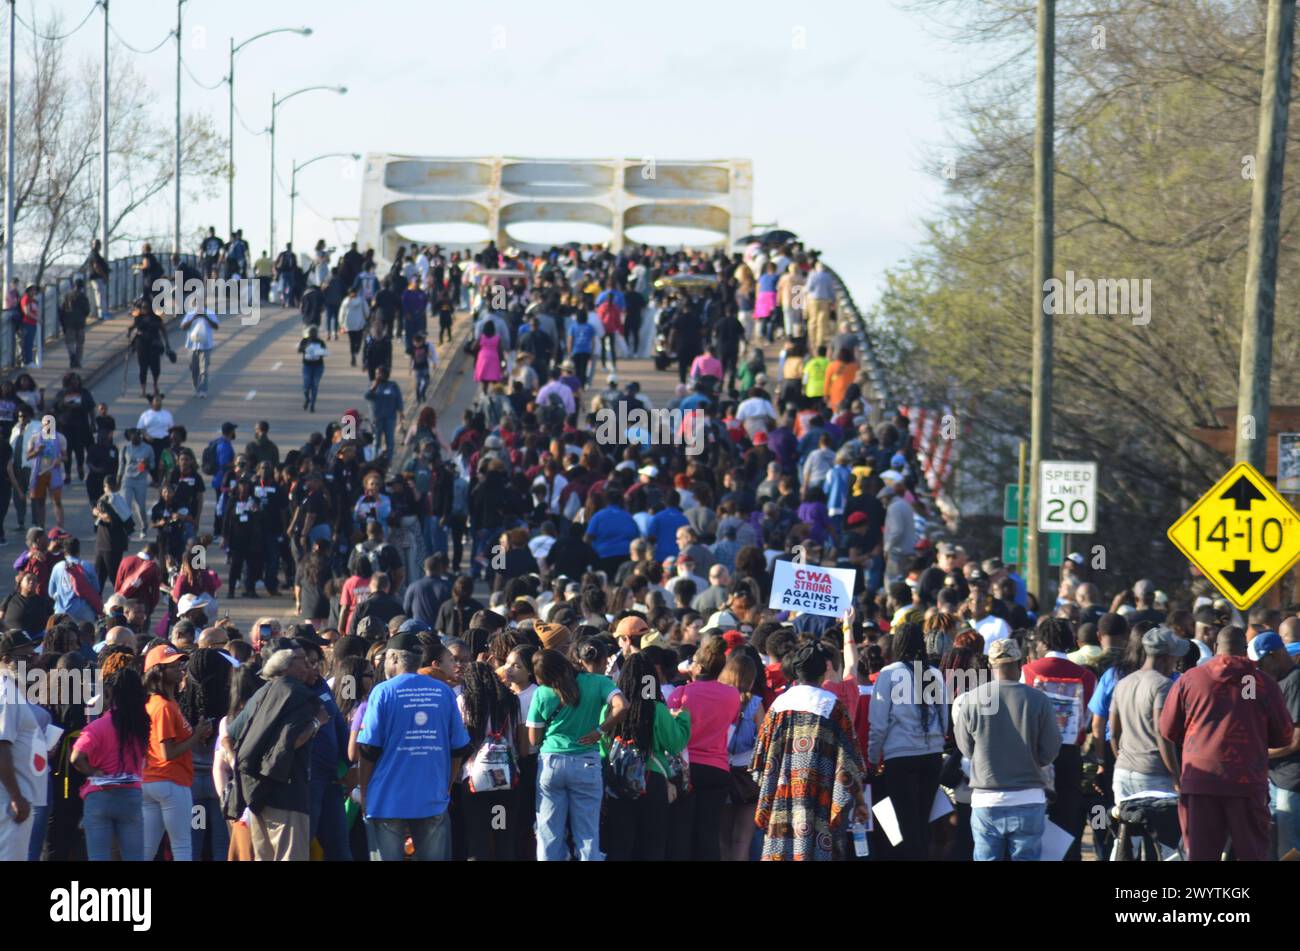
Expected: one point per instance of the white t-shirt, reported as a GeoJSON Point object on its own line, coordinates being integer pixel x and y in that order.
{"type": "Point", "coordinates": [199, 329]}
{"type": "Point", "coordinates": [990, 798]}
{"type": "Point", "coordinates": [23, 724]}
{"type": "Point", "coordinates": [755, 408]}
{"type": "Point", "coordinates": [157, 424]}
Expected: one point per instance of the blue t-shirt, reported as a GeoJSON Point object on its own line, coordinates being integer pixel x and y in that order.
{"type": "Point", "coordinates": [663, 526]}
{"type": "Point", "coordinates": [612, 532]}
{"type": "Point", "coordinates": [414, 720]}
{"type": "Point", "coordinates": [583, 337]}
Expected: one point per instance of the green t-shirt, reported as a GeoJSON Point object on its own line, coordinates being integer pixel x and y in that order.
{"type": "Point", "coordinates": [565, 725]}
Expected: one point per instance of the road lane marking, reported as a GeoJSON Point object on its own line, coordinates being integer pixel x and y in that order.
{"type": "Point", "coordinates": [250, 396]}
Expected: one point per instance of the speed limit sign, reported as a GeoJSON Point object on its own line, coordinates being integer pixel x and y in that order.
{"type": "Point", "coordinates": [1069, 497]}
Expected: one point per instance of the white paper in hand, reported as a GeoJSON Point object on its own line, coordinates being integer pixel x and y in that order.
{"type": "Point", "coordinates": [1056, 842]}
{"type": "Point", "coordinates": [884, 811]}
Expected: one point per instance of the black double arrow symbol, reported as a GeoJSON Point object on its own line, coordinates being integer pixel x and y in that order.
{"type": "Point", "coordinates": [1242, 494]}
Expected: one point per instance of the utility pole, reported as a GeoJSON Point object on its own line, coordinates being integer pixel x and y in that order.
{"type": "Point", "coordinates": [1040, 444]}
{"type": "Point", "coordinates": [1261, 260]}
{"type": "Point", "coordinates": [103, 151]}
{"type": "Point", "coordinates": [230, 164]}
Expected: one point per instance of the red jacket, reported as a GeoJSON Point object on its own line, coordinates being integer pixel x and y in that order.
{"type": "Point", "coordinates": [139, 580]}
{"type": "Point", "coordinates": [1225, 714]}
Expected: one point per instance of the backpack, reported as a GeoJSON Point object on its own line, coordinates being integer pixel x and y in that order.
{"type": "Point", "coordinates": [208, 464]}
{"type": "Point", "coordinates": [492, 767]}
{"type": "Point", "coordinates": [83, 588]}
{"type": "Point", "coordinates": [611, 315]}
{"type": "Point", "coordinates": [133, 584]}
{"type": "Point", "coordinates": [624, 770]}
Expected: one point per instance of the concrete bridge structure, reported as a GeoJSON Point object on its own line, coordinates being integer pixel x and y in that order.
{"type": "Point", "coordinates": [496, 192]}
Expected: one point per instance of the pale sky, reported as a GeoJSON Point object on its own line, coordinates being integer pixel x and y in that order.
{"type": "Point", "coordinates": [838, 131]}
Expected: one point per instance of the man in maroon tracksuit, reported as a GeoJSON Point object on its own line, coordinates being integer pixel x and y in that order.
{"type": "Point", "coordinates": [1225, 714]}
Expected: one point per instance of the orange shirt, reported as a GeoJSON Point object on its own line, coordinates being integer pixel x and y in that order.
{"type": "Point", "coordinates": [166, 722]}
{"type": "Point", "coordinates": [839, 377]}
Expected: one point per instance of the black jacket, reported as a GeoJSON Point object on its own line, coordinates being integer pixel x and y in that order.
{"type": "Point", "coordinates": [270, 770]}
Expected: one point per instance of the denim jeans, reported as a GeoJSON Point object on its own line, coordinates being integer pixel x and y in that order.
{"type": "Point", "coordinates": [209, 821]}
{"type": "Point", "coordinates": [1017, 829]}
{"type": "Point", "coordinates": [29, 343]}
{"type": "Point", "coordinates": [168, 807]}
{"type": "Point", "coordinates": [386, 430]}
{"type": "Point", "coordinates": [115, 813]}
{"type": "Point", "coordinates": [1127, 783]}
{"type": "Point", "coordinates": [1285, 806]}
{"type": "Point", "coordinates": [199, 361]}
{"type": "Point", "coordinates": [431, 837]}
{"type": "Point", "coordinates": [311, 377]}
{"type": "Point", "coordinates": [569, 790]}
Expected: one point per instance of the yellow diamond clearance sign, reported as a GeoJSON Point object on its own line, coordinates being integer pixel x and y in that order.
{"type": "Point", "coordinates": [1241, 534]}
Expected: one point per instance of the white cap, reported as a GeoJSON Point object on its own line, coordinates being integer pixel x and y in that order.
{"type": "Point", "coordinates": [650, 472]}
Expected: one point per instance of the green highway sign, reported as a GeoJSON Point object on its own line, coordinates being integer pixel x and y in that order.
{"type": "Point", "coordinates": [1011, 539]}
{"type": "Point", "coordinates": [1011, 503]}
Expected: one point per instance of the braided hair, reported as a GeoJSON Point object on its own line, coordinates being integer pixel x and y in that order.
{"type": "Point", "coordinates": [910, 651]}
{"type": "Point", "coordinates": [125, 698]}
{"type": "Point", "coordinates": [487, 702]}
{"type": "Point", "coordinates": [639, 683]}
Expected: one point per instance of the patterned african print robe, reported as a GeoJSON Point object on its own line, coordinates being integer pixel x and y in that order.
{"type": "Point", "coordinates": [812, 771]}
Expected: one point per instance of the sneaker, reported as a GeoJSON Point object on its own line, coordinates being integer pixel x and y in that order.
{"type": "Point", "coordinates": [306, 403]}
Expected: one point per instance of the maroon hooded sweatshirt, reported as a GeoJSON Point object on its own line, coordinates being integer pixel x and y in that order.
{"type": "Point", "coordinates": [1225, 714]}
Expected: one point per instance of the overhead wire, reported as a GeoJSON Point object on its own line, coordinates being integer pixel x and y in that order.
{"type": "Point", "coordinates": [135, 49]}
{"type": "Point", "coordinates": [62, 36]}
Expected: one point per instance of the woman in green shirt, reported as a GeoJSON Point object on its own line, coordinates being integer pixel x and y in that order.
{"type": "Point", "coordinates": [637, 829]}
{"type": "Point", "coordinates": [565, 720]}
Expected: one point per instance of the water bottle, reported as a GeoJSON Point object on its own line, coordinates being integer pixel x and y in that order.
{"type": "Point", "coordinates": [860, 847]}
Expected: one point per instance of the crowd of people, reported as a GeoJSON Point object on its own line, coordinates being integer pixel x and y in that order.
{"type": "Point", "coordinates": [537, 635]}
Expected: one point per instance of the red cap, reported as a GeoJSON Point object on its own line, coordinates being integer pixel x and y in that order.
{"type": "Point", "coordinates": [734, 639]}
{"type": "Point", "coordinates": [162, 654]}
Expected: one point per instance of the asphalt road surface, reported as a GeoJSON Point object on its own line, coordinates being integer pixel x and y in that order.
{"type": "Point", "coordinates": [255, 375]}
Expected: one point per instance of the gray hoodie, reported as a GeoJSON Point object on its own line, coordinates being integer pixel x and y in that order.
{"type": "Point", "coordinates": [1008, 730]}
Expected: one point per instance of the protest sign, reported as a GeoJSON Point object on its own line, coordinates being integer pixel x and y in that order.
{"type": "Point", "coordinates": [811, 589]}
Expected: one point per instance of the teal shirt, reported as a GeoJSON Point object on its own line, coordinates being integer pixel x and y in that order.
{"type": "Point", "coordinates": [566, 725]}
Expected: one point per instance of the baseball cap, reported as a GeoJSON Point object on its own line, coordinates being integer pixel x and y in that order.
{"type": "Point", "coordinates": [56, 533]}
{"type": "Point", "coordinates": [188, 602]}
{"type": "Point", "coordinates": [370, 628]}
{"type": "Point", "coordinates": [946, 548]}
{"type": "Point", "coordinates": [1261, 645]}
{"type": "Point", "coordinates": [631, 626]}
{"type": "Point", "coordinates": [1161, 641]}
{"type": "Point", "coordinates": [891, 475]}
{"type": "Point", "coordinates": [228, 428]}
{"type": "Point", "coordinates": [898, 460]}
{"type": "Point", "coordinates": [733, 639]}
{"type": "Point", "coordinates": [414, 626]}
{"type": "Point", "coordinates": [1004, 650]}
{"type": "Point", "coordinates": [404, 642]}
{"type": "Point", "coordinates": [650, 472]}
{"type": "Point", "coordinates": [162, 654]}
{"type": "Point", "coordinates": [553, 636]}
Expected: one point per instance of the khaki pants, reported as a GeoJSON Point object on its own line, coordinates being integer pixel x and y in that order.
{"type": "Point", "coordinates": [820, 331]}
{"type": "Point", "coordinates": [280, 835]}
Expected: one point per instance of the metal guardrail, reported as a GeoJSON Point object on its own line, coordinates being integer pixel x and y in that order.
{"type": "Point", "coordinates": [846, 308]}
{"type": "Point", "coordinates": [125, 284]}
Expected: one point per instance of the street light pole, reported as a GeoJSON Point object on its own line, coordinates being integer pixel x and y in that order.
{"type": "Point", "coordinates": [276, 104]}
{"type": "Point", "coordinates": [103, 151]}
{"type": "Point", "coordinates": [293, 183]}
{"type": "Point", "coordinates": [230, 82]}
{"type": "Point", "coordinates": [176, 230]}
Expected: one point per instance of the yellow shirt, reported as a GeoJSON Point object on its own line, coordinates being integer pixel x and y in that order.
{"type": "Point", "coordinates": [814, 377]}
